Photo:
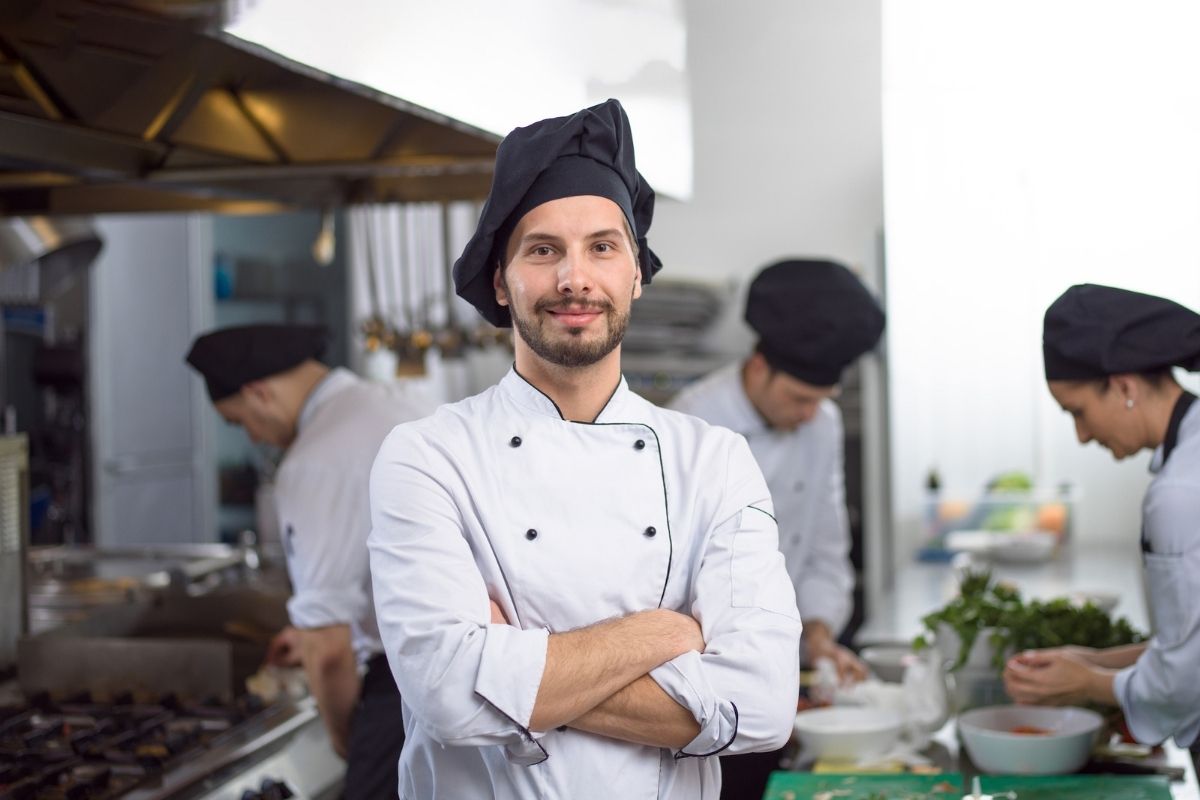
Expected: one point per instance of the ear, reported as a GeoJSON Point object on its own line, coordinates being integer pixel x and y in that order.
{"type": "Point", "coordinates": [637, 282]}
{"type": "Point", "coordinates": [259, 391]}
{"type": "Point", "coordinates": [756, 365]}
{"type": "Point", "coordinates": [498, 285]}
{"type": "Point", "coordinates": [1126, 386]}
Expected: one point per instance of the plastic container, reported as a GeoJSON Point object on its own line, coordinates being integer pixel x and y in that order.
{"type": "Point", "coordinates": [1004, 525]}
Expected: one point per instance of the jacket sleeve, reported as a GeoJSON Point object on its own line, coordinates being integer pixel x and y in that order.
{"type": "Point", "coordinates": [1159, 693]}
{"type": "Point", "coordinates": [826, 577]}
{"type": "Point", "coordinates": [323, 512]}
{"type": "Point", "coordinates": [743, 688]}
{"type": "Point", "coordinates": [468, 682]}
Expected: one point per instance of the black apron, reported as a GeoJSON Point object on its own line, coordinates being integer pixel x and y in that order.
{"type": "Point", "coordinates": [376, 736]}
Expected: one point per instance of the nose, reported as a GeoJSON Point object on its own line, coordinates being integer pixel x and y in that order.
{"type": "Point", "coordinates": [574, 278]}
{"type": "Point", "coordinates": [1081, 432]}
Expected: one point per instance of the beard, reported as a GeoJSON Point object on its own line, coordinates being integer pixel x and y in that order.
{"type": "Point", "coordinates": [572, 350]}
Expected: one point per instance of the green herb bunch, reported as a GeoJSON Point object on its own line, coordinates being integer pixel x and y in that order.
{"type": "Point", "coordinates": [1017, 625]}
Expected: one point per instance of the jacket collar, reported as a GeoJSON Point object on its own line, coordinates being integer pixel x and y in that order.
{"type": "Point", "coordinates": [338, 379]}
{"type": "Point", "coordinates": [532, 399]}
{"type": "Point", "coordinates": [1189, 426]}
{"type": "Point", "coordinates": [732, 405]}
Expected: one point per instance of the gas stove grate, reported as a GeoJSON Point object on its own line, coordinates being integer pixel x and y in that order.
{"type": "Point", "coordinates": [78, 749]}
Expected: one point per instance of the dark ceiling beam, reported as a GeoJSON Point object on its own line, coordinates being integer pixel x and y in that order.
{"type": "Point", "coordinates": [126, 199]}
{"type": "Point", "coordinates": [268, 139]}
{"type": "Point", "coordinates": [344, 170]}
{"type": "Point", "coordinates": [31, 84]}
{"type": "Point", "coordinates": [70, 148]}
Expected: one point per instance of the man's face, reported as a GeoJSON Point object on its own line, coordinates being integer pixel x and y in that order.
{"type": "Point", "coordinates": [570, 280]}
{"type": "Point", "coordinates": [1100, 414]}
{"type": "Point", "coordinates": [252, 410]}
{"type": "Point", "coordinates": [784, 402]}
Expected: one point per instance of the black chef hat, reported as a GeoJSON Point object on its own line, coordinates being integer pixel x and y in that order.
{"type": "Point", "coordinates": [813, 318]}
{"type": "Point", "coordinates": [587, 153]}
{"type": "Point", "coordinates": [1094, 331]}
{"type": "Point", "coordinates": [232, 357]}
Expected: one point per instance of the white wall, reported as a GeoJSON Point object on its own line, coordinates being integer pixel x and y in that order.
{"type": "Point", "coordinates": [787, 138]}
{"type": "Point", "coordinates": [1028, 146]}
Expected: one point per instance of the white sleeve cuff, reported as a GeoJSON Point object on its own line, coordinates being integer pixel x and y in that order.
{"type": "Point", "coordinates": [510, 670]}
{"type": "Point", "coordinates": [1122, 691]}
{"type": "Point", "coordinates": [319, 608]}
{"type": "Point", "coordinates": [683, 679]}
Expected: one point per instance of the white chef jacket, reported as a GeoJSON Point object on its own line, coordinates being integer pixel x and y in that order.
{"type": "Point", "coordinates": [323, 503]}
{"type": "Point", "coordinates": [804, 472]}
{"type": "Point", "coordinates": [1160, 693]}
{"type": "Point", "coordinates": [566, 524]}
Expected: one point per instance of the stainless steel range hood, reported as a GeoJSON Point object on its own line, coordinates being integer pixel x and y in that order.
{"type": "Point", "coordinates": [146, 105]}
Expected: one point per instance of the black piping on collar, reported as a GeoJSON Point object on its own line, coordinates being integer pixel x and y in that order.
{"type": "Point", "coordinates": [1177, 414]}
{"type": "Point", "coordinates": [559, 410]}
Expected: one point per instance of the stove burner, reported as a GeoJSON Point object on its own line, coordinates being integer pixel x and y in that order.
{"type": "Point", "coordinates": [81, 750]}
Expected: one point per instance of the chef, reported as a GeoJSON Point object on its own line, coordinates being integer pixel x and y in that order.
{"type": "Point", "coordinates": [580, 594]}
{"type": "Point", "coordinates": [1109, 355]}
{"type": "Point", "coordinates": [268, 380]}
{"type": "Point", "coordinates": [813, 319]}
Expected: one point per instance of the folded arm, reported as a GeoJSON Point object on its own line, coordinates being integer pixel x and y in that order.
{"type": "Point", "coordinates": [641, 713]}
{"type": "Point", "coordinates": [586, 667]}
{"type": "Point", "coordinates": [467, 681]}
{"type": "Point", "coordinates": [742, 689]}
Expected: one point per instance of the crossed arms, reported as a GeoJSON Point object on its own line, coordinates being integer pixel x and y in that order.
{"type": "Point", "coordinates": [723, 676]}
{"type": "Point", "coordinates": [596, 679]}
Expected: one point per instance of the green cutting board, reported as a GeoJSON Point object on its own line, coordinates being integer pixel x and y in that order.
{"type": "Point", "coordinates": [1079, 787]}
{"type": "Point", "coordinates": [807, 785]}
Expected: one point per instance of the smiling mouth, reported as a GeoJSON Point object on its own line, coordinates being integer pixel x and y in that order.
{"type": "Point", "coordinates": [575, 317]}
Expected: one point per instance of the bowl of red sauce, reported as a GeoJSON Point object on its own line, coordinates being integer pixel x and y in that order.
{"type": "Point", "coordinates": [1029, 740]}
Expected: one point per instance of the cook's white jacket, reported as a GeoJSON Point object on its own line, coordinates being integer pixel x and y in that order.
{"type": "Point", "coordinates": [566, 524]}
{"type": "Point", "coordinates": [1160, 694]}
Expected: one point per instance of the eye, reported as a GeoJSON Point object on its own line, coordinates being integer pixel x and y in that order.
{"type": "Point", "coordinates": [541, 250]}
{"type": "Point", "coordinates": [605, 247]}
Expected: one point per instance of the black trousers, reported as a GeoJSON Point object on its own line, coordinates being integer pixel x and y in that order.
{"type": "Point", "coordinates": [376, 736]}
{"type": "Point", "coordinates": [744, 777]}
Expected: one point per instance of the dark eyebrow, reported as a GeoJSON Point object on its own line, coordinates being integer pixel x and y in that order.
{"type": "Point", "coordinates": [609, 233]}
{"type": "Point", "coordinates": [535, 236]}
{"type": "Point", "coordinates": [538, 236]}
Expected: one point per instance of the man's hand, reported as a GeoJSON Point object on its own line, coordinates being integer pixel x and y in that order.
{"type": "Point", "coordinates": [1061, 676]}
{"type": "Point", "coordinates": [819, 643]}
{"type": "Point", "coordinates": [284, 649]}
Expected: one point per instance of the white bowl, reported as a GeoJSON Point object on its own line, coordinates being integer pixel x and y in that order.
{"type": "Point", "coordinates": [888, 661]}
{"type": "Point", "coordinates": [988, 734]}
{"type": "Point", "coordinates": [847, 732]}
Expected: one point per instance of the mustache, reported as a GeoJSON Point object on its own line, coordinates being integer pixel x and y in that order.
{"type": "Point", "coordinates": [573, 305]}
